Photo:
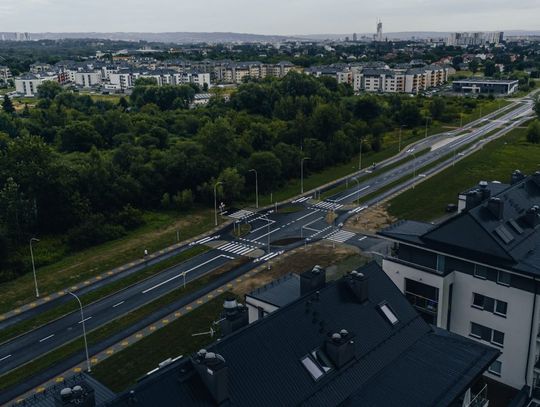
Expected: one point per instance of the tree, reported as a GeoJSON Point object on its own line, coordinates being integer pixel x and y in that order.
{"type": "Point", "coordinates": [473, 66]}
{"type": "Point", "coordinates": [79, 136]}
{"type": "Point", "coordinates": [533, 132]}
{"type": "Point", "coordinates": [7, 105]}
{"type": "Point", "coordinates": [268, 169]}
{"type": "Point", "coordinates": [489, 68]}
{"type": "Point", "coordinates": [48, 90]}
{"type": "Point", "coordinates": [233, 184]}
{"type": "Point", "coordinates": [437, 108]}
{"type": "Point", "coordinates": [537, 106]}
{"type": "Point", "coordinates": [409, 115]}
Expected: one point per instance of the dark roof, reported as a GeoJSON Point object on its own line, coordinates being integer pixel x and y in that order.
{"type": "Point", "coordinates": [404, 364]}
{"type": "Point", "coordinates": [490, 81]}
{"type": "Point", "coordinates": [479, 235]}
{"type": "Point", "coordinates": [279, 292]}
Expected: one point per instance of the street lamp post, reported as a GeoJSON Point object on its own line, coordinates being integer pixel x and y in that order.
{"type": "Point", "coordinates": [215, 201]}
{"type": "Point", "coordinates": [268, 233]}
{"type": "Point", "coordinates": [360, 156]}
{"type": "Point", "coordinates": [34, 265]}
{"type": "Point", "coordinates": [84, 331]}
{"type": "Point", "coordinates": [427, 119]}
{"type": "Point", "coordinates": [256, 187]}
{"type": "Point", "coordinates": [399, 147]}
{"type": "Point", "coordinates": [358, 185]}
{"type": "Point", "coordinates": [302, 174]}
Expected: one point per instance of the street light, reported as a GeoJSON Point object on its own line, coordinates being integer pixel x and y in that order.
{"type": "Point", "coordinates": [215, 201]}
{"type": "Point", "coordinates": [256, 187]}
{"type": "Point", "coordinates": [302, 174]}
{"type": "Point", "coordinates": [84, 331]}
{"type": "Point", "coordinates": [400, 128]}
{"type": "Point", "coordinates": [34, 265]}
{"type": "Point", "coordinates": [358, 184]}
{"type": "Point", "coordinates": [360, 156]}
{"type": "Point", "coordinates": [414, 167]}
{"type": "Point", "coordinates": [427, 119]}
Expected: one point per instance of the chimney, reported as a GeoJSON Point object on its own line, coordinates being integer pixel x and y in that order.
{"type": "Point", "coordinates": [312, 280]}
{"type": "Point", "coordinates": [81, 395]}
{"type": "Point", "coordinates": [358, 283]}
{"type": "Point", "coordinates": [484, 191]}
{"type": "Point", "coordinates": [233, 317]}
{"type": "Point", "coordinates": [536, 178]}
{"type": "Point", "coordinates": [214, 373]}
{"type": "Point", "coordinates": [517, 176]}
{"type": "Point", "coordinates": [496, 207]}
{"type": "Point", "coordinates": [340, 348]}
{"type": "Point", "coordinates": [532, 216]}
{"type": "Point", "coordinates": [472, 199]}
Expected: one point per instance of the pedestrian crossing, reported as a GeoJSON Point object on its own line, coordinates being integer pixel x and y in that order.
{"type": "Point", "coordinates": [237, 248]}
{"type": "Point", "coordinates": [241, 214]}
{"type": "Point", "coordinates": [330, 206]}
{"type": "Point", "coordinates": [303, 199]}
{"type": "Point", "coordinates": [340, 236]}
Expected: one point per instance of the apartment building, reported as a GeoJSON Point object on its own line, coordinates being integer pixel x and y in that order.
{"type": "Point", "coordinates": [477, 273]}
{"type": "Point", "coordinates": [5, 74]}
{"type": "Point", "coordinates": [27, 85]}
{"type": "Point", "coordinates": [87, 79]}
{"type": "Point", "coordinates": [355, 341]}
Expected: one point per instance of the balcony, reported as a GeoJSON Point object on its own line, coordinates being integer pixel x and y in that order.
{"type": "Point", "coordinates": [423, 304]}
{"type": "Point", "coordinates": [479, 399]}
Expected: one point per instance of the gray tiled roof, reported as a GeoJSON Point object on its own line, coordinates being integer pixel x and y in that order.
{"type": "Point", "coordinates": [407, 364]}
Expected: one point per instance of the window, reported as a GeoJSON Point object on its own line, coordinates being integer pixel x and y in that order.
{"type": "Point", "coordinates": [480, 271]}
{"type": "Point", "coordinates": [486, 303]}
{"type": "Point", "coordinates": [314, 370]}
{"type": "Point", "coordinates": [501, 307]}
{"type": "Point", "coordinates": [388, 313]}
{"type": "Point", "coordinates": [495, 368]}
{"type": "Point", "coordinates": [503, 278]}
{"type": "Point", "coordinates": [487, 334]}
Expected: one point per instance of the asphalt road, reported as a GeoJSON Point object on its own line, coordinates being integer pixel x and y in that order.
{"type": "Point", "coordinates": [267, 230]}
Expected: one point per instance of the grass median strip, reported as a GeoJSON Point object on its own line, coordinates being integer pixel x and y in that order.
{"type": "Point", "coordinates": [57, 355]}
{"type": "Point", "coordinates": [122, 369]}
{"type": "Point", "coordinates": [50, 315]}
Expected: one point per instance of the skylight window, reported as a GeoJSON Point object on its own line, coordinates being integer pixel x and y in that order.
{"type": "Point", "coordinates": [504, 234]}
{"type": "Point", "coordinates": [314, 370]}
{"type": "Point", "coordinates": [516, 227]}
{"type": "Point", "coordinates": [388, 313]}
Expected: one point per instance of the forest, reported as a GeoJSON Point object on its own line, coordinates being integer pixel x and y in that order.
{"type": "Point", "coordinates": [87, 169]}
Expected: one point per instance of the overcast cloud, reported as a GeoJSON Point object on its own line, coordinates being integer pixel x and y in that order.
{"type": "Point", "coordinates": [267, 17]}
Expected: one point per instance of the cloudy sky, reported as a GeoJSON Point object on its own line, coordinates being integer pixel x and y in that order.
{"type": "Point", "coordinates": [267, 17]}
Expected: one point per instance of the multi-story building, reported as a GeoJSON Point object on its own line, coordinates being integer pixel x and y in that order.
{"type": "Point", "coordinates": [463, 39]}
{"type": "Point", "coordinates": [27, 85]}
{"type": "Point", "coordinates": [87, 79]}
{"type": "Point", "coordinates": [477, 274]}
{"type": "Point", "coordinates": [493, 86]}
{"type": "Point", "coordinates": [5, 75]}
{"type": "Point", "coordinates": [355, 341]}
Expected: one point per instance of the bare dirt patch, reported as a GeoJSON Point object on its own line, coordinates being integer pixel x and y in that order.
{"type": "Point", "coordinates": [321, 253]}
{"type": "Point", "coordinates": [370, 220]}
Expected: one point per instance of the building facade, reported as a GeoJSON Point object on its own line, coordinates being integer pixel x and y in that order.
{"type": "Point", "coordinates": [476, 274]}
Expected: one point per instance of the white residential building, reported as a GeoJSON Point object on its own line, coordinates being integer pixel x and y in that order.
{"type": "Point", "coordinates": [87, 79]}
{"type": "Point", "coordinates": [478, 273]}
{"type": "Point", "coordinates": [27, 85]}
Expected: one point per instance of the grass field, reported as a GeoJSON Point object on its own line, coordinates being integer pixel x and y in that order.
{"type": "Point", "coordinates": [495, 161]}
{"type": "Point", "coordinates": [159, 231]}
{"type": "Point", "coordinates": [124, 368]}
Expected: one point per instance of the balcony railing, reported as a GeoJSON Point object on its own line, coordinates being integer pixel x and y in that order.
{"type": "Point", "coordinates": [480, 399]}
{"type": "Point", "coordinates": [422, 303]}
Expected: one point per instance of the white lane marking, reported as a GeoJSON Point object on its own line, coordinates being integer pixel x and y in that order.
{"type": "Point", "coordinates": [5, 357]}
{"type": "Point", "coordinates": [352, 193]}
{"type": "Point", "coordinates": [116, 305]}
{"type": "Point", "coordinates": [184, 272]}
{"type": "Point", "coordinates": [305, 216]}
{"type": "Point", "coordinates": [358, 209]}
{"type": "Point", "coordinates": [270, 222]}
{"type": "Point", "coordinates": [47, 337]}
{"type": "Point", "coordinates": [84, 320]}
{"type": "Point", "coordinates": [362, 238]}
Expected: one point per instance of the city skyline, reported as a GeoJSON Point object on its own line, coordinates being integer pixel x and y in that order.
{"type": "Point", "coordinates": [298, 17]}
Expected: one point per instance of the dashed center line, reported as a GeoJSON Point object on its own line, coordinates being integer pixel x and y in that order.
{"type": "Point", "coordinates": [84, 320]}
{"type": "Point", "coordinates": [47, 337]}
{"type": "Point", "coordinates": [5, 357]}
{"type": "Point", "coordinates": [116, 305]}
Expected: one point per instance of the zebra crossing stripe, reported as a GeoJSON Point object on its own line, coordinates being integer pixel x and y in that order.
{"type": "Point", "coordinates": [303, 199]}
{"type": "Point", "coordinates": [241, 214]}
{"type": "Point", "coordinates": [328, 205]}
{"type": "Point", "coordinates": [340, 236]}
{"type": "Point", "coordinates": [236, 248]}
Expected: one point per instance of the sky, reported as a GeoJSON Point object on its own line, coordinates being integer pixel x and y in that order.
{"type": "Point", "coordinates": [286, 17]}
